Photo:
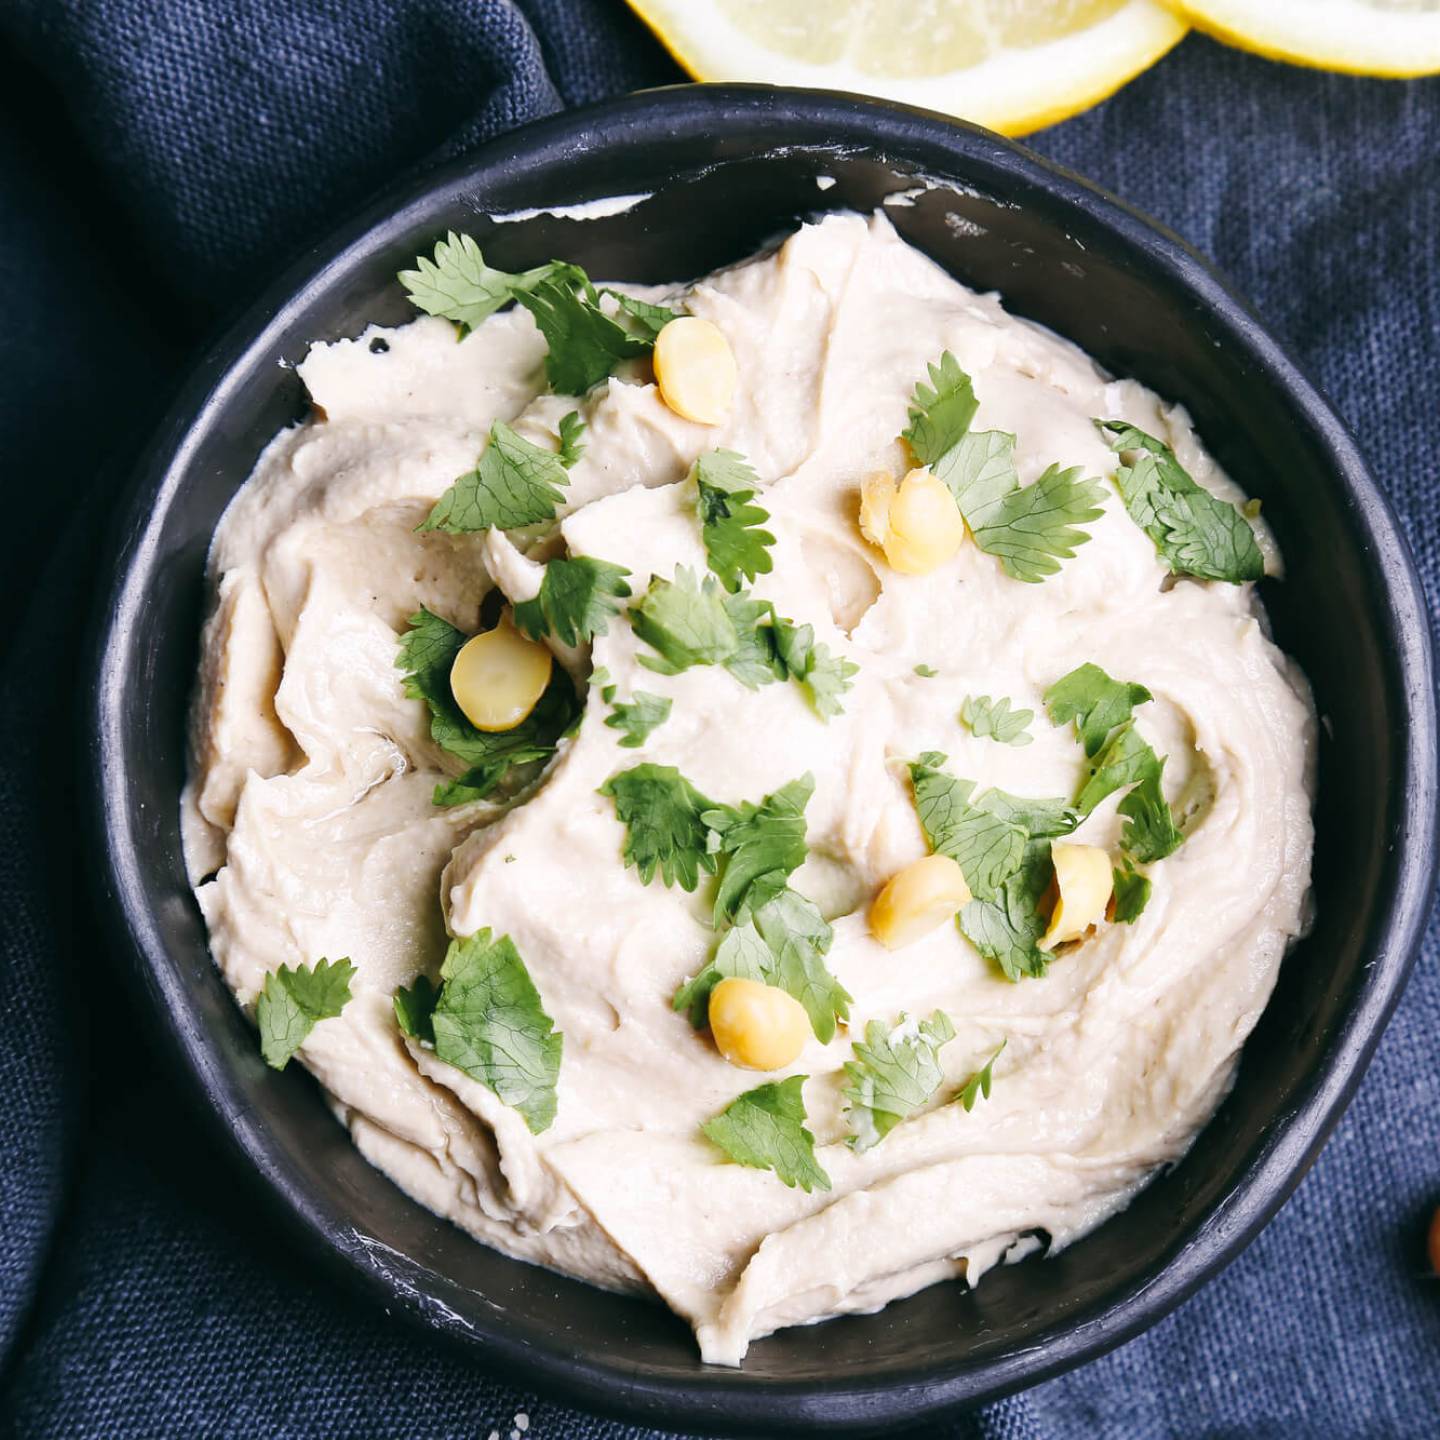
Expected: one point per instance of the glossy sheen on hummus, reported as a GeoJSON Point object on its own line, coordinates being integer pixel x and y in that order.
{"type": "Point", "coordinates": [311, 829]}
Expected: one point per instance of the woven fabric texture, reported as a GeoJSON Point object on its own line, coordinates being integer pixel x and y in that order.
{"type": "Point", "coordinates": [158, 160]}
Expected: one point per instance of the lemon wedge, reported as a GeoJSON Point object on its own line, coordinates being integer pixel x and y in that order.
{"type": "Point", "coordinates": [1363, 37]}
{"type": "Point", "coordinates": [1013, 65]}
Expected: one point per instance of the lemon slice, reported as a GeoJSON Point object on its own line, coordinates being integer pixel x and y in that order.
{"type": "Point", "coordinates": [1364, 37]}
{"type": "Point", "coordinates": [1014, 65]}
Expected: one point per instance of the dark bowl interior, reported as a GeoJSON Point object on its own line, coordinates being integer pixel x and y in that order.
{"type": "Point", "coordinates": [731, 168]}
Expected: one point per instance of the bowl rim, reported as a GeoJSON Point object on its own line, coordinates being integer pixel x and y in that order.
{"type": "Point", "coordinates": [713, 1398]}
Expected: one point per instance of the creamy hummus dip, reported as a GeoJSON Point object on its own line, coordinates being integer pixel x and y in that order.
{"type": "Point", "coordinates": [312, 830]}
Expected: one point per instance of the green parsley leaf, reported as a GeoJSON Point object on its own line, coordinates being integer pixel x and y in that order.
{"type": "Point", "coordinates": [685, 622]}
{"type": "Point", "coordinates": [734, 545]}
{"type": "Point", "coordinates": [414, 1005]}
{"type": "Point", "coordinates": [515, 483]}
{"type": "Point", "coordinates": [1040, 819]}
{"type": "Point", "coordinates": [941, 412]}
{"type": "Point", "coordinates": [487, 1020]}
{"type": "Point", "coordinates": [571, 434]}
{"type": "Point", "coordinates": [1195, 532]}
{"type": "Point", "coordinates": [638, 716]}
{"type": "Point", "coordinates": [458, 285]}
{"type": "Point", "coordinates": [755, 662]}
{"type": "Point", "coordinates": [979, 1083]}
{"type": "Point", "coordinates": [995, 719]}
{"type": "Point", "coordinates": [926, 672]}
{"type": "Point", "coordinates": [764, 842]}
{"type": "Point", "coordinates": [1125, 760]}
{"type": "Point", "coordinates": [1095, 702]}
{"type": "Point", "coordinates": [822, 676]}
{"type": "Point", "coordinates": [293, 1002]}
{"type": "Point", "coordinates": [662, 811]}
{"type": "Point", "coordinates": [585, 343]}
{"type": "Point", "coordinates": [1132, 895]}
{"type": "Point", "coordinates": [1150, 830]}
{"type": "Point", "coordinates": [987, 847]}
{"type": "Point", "coordinates": [1032, 529]}
{"type": "Point", "coordinates": [980, 471]}
{"type": "Point", "coordinates": [893, 1074]}
{"type": "Point", "coordinates": [765, 1129]}
{"type": "Point", "coordinates": [426, 653]}
{"type": "Point", "coordinates": [1008, 928]}
{"type": "Point", "coordinates": [649, 319]}
{"type": "Point", "coordinates": [742, 954]}
{"type": "Point", "coordinates": [576, 601]}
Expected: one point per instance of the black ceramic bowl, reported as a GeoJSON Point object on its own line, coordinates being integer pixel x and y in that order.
{"type": "Point", "coordinates": [730, 168]}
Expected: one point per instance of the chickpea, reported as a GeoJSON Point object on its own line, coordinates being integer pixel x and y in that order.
{"type": "Point", "coordinates": [756, 1026]}
{"type": "Point", "coordinates": [695, 369]}
{"type": "Point", "coordinates": [498, 676]}
{"type": "Point", "coordinates": [1084, 877]}
{"type": "Point", "coordinates": [917, 523]}
{"type": "Point", "coordinates": [917, 900]}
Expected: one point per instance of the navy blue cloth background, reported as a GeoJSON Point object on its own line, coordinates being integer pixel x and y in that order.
{"type": "Point", "coordinates": [158, 160]}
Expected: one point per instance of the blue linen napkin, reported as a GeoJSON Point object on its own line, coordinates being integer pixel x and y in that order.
{"type": "Point", "coordinates": [160, 158]}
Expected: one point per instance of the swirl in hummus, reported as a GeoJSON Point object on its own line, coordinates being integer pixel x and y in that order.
{"type": "Point", "coordinates": [312, 829]}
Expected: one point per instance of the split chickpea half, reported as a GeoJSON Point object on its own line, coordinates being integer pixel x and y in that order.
{"type": "Point", "coordinates": [498, 677]}
{"type": "Point", "coordinates": [916, 523]}
{"type": "Point", "coordinates": [695, 369]}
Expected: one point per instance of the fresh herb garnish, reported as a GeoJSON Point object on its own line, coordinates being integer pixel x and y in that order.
{"type": "Point", "coordinates": [293, 1002]}
{"type": "Point", "coordinates": [765, 1129]}
{"type": "Point", "coordinates": [1132, 894]}
{"type": "Point", "coordinates": [926, 672]}
{"type": "Point", "coordinates": [1095, 702]}
{"type": "Point", "coordinates": [585, 344]}
{"type": "Point", "coordinates": [515, 483]}
{"type": "Point", "coordinates": [689, 622]}
{"type": "Point", "coordinates": [637, 717]}
{"type": "Point", "coordinates": [1030, 529]}
{"type": "Point", "coordinates": [995, 719]}
{"type": "Point", "coordinates": [729, 524]}
{"type": "Point", "coordinates": [762, 845]}
{"type": "Point", "coordinates": [426, 654]}
{"type": "Point", "coordinates": [649, 319]}
{"type": "Point", "coordinates": [458, 285]}
{"type": "Point", "coordinates": [486, 1018]}
{"type": "Point", "coordinates": [895, 1071]}
{"type": "Point", "coordinates": [661, 811]}
{"type": "Point", "coordinates": [979, 1083]}
{"type": "Point", "coordinates": [1002, 843]}
{"type": "Point", "coordinates": [1195, 532]}
{"type": "Point", "coordinates": [578, 598]}
{"type": "Point", "coordinates": [571, 435]}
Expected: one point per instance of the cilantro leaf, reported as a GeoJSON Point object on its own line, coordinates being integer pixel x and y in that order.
{"type": "Point", "coordinates": [571, 434]}
{"type": "Point", "coordinates": [893, 1074]}
{"type": "Point", "coordinates": [742, 954]}
{"type": "Point", "coordinates": [638, 716]}
{"type": "Point", "coordinates": [734, 545]}
{"type": "Point", "coordinates": [487, 1019]}
{"type": "Point", "coordinates": [765, 1129]}
{"type": "Point", "coordinates": [995, 719]}
{"type": "Point", "coordinates": [986, 846]}
{"type": "Point", "coordinates": [980, 471]}
{"type": "Point", "coordinates": [758, 842]}
{"type": "Point", "coordinates": [822, 676]}
{"type": "Point", "coordinates": [585, 344]}
{"type": "Point", "coordinates": [1040, 819]}
{"type": "Point", "coordinates": [926, 672]}
{"type": "Point", "coordinates": [649, 319]}
{"type": "Point", "coordinates": [515, 483]}
{"type": "Point", "coordinates": [941, 412]}
{"type": "Point", "coordinates": [756, 662]}
{"type": "Point", "coordinates": [1132, 895]}
{"type": "Point", "coordinates": [1095, 702]}
{"type": "Point", "coordinates": [425, 655]}
{"type": "Point", "coordinates": [979, 1083]}
{"type": "Point", "coordinates": [293, 1002]}
{"type": "Point", "coordinates": [1150, 831]}
{"type": "Point", "coordinates": [1008, 928]}
{"type": "Point", "coordinates": [414, 1006]}
{"type": "Point", "coordinates": [1032, 529]}
{"type": "Point", "coordinates": [685, 622]}
{"type": "Point", "coordinates": [1125, 760]}
{"type": "Point", "coordinates": [458, 285]}
{"type": "Point", "coordinates": [576, 601]}
{"type": "Point", "coordinates": [1195, 532]}
{"type": "Point", "coordinates": [662, 811]}
{"type": "Point", "coordinates": [799, 937]}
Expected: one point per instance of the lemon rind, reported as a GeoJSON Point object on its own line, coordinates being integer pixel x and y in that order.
{"type": "Point", "coordinates": [1009, 93]}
